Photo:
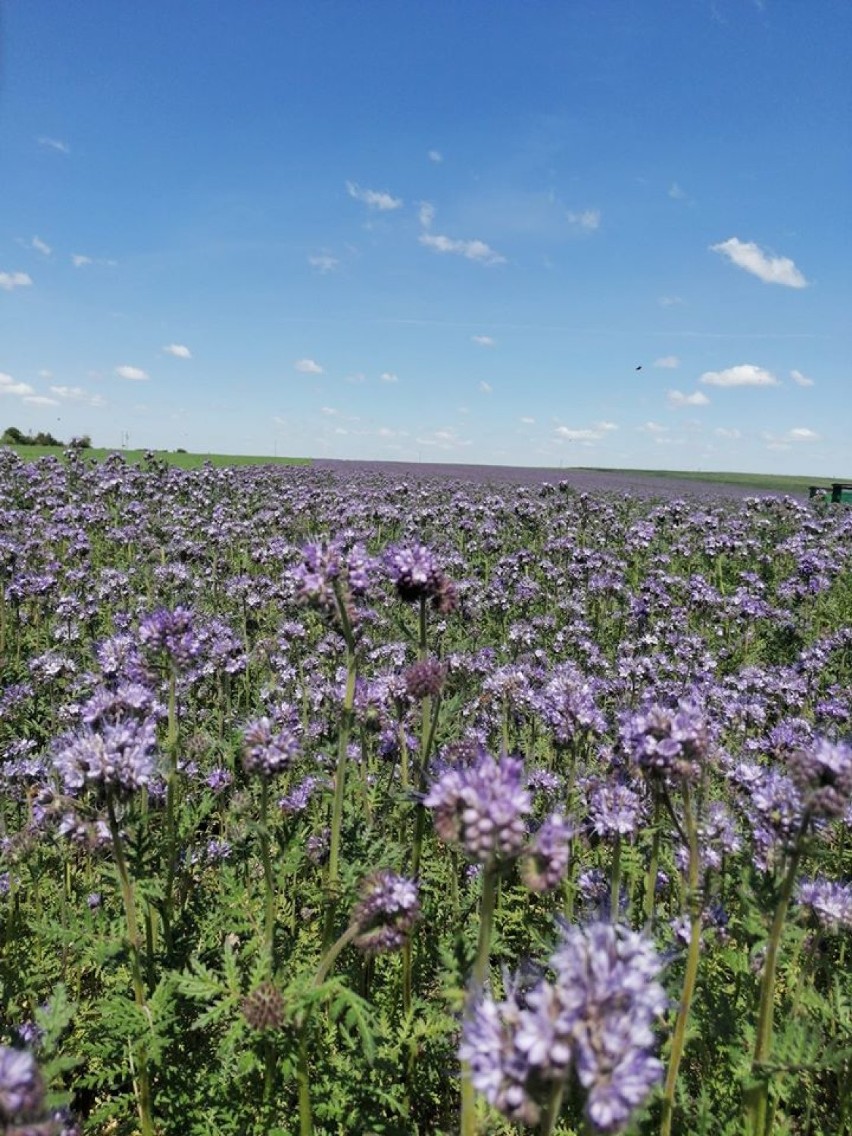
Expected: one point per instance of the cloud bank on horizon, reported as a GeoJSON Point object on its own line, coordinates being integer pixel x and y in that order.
{"type": "Point", "coordinates": [389, 261]}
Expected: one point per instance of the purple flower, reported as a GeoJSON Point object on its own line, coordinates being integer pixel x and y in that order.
{"type": "Point", "coordinates": [267, 751]}
{"type": "Point", "coordinates": [171, 634]}
{"type": "Point", "coordinates": [297, 801]}
{"type": "Point", "coordinates": [615, 810]}
{"type": "Point", "coordinates": [424, 679]}
{"type": "Point", "coordinates": [385, 914]}
{"type": "Point", "coordinates": [666, 742]}
{"type": "Point", "coordinates": [415, 571]}
{"type": "Point", "coordinates": [831, 902]}
{"type": "Point", "coordinates": [21, 1086]}
{"type": "Point", "coordinates": [482, 807]}
{"type": "Point", "coordinates": [119, 756]}
{"type": "Point", "coordinates": [595, 1017]}
{"type": "Point", "coordinates": [546, 859]}
{"type": "Point", "coordinates": [823, 774]}
{"type": "Point", "coordinates": [315, 576]}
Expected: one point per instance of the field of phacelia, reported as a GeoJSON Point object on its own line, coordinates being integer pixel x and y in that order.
{"type": "Point", "coordinates": [396, 806]}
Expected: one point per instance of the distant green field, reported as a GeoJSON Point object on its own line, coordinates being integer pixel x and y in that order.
{"type": "Point", "coordinates": [780, 483]}
{"type": "Point", "coordinates": [182, 461]}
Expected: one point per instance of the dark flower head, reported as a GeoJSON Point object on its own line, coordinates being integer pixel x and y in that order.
{"type": "Point", "coordinates": [264, 1007]}
{"type": "Point", "coordinates": [830, 902]}
{"type": "Point", "coordinates": [424, 679]}
{"type": "Point", "coordinates": [385, 914]}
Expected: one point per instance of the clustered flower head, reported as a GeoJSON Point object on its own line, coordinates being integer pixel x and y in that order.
{"type": "Point", "coordinates": [831, 902]}
{"type": "Point", "coordinates": [415, 571]}
{"type": "Point", "coordinates": [823, 774]}
{"type": "Point", "coordinates": [329, 576]}
{"type": "Point", "coordinates": [482, 807]}
{"type": "Point", "coordinates": [115, 748]}
{"type": "Point", "coordinates": [596, 1016]}
{"type": "Point", "coordinates": [171, 634]}
{"type": "Point", "coordinates": [388, 909]}
{"type": "Point", "coordinates": [267, 750]}
{"type": "Point", "coordinates": [424, 679]}
{"type": "Point", "coordinates": [23, 1109]}
{"type": "Point", "coordinates": [667, 742]}
{"type": "Point", "coordinates": [545, 860]}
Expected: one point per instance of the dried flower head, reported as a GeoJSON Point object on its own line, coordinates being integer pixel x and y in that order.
{"type": "Point", "coordinates": [264, 1007]}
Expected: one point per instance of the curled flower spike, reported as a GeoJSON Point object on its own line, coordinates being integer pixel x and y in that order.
{"type": "Point", "coordinates": [388, 909]}
{"type": "Point", "coordinates": [266, 751]}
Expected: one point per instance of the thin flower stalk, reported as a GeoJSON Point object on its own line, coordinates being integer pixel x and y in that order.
{"type": "Point", "coordinates": [689, 979]}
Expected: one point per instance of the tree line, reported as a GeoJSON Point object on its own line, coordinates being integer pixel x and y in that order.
{"type": "Point", "coordinates": [12, 436]}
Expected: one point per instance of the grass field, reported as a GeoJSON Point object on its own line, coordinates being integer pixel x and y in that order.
{"type": "Point", "coordinates": [181, 460]}
{"type": "Point", "coordinates": [783, 483]}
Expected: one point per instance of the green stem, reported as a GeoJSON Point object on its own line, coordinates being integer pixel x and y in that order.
{"type": "Point", "coordinates": [757, 1096]}
{"type": "Point", "coordinates": [268, 877]}
{"type": "Point", "coordinates": [679, 1037]}
{"type": "Point", "coordinates": [552, 1110]}
{"type": "Point", "coordinates": [615, 879]}
{"type": "Point", "coordinates": [479, 975]}
{"type": "Point", "coordinates": [649, 906]}
{"type": "Point", "coordinates": [143, 1101]}
{"type": "Point", "coordinates": [346, 716]}
{"type": "Point", "coordinates": [306, 1119]}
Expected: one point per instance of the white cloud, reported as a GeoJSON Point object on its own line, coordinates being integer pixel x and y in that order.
{"type": "Point", "coordinates": [801, 380]}
{"type": "Point", "coordinates": [486, 388]}
{"type": "Point", "coordinates": [588, 219]}
{"type": "Point", "coordinates": [9, 386]}
{"type": "Point", "coordinates": [584, 435]}
{"type": "Point", "coordinates": [12, 280]}
{"type": "Point", "coordinates": [308, 367]}
{"type": "Point", "coordinates": [802, 434]}
{"type": "Point", "coordinates": [446, 439]}
{"type": "Point", "coordinates": [769, 269]}
{"type": "Point", "coordinates": [675, 192]}
{"type": "Point", "coordinates": [134, 374]}
{"type": "Point", "coordinates": [744, 375]}
{"type": "Point", "coordinates": [471, 250]}
{"type": "Point", "coordinates": [323, 263]}
{"type": "Point", "coordinates": [372, 198]}
{"type": "Point", "coordinates": [79, 261]}
{"type": "Point", "coordinates": [54, 144]}
{"type": "Point", "coordinates": [435, 156]}
{"type": "Point", "coordinates": [328, 411]}
{"type": "Point", "coordinates": [728, 432]}
{"type": "Point", "coordinates": [483, 341]}
{"type": "Point", "coordinates": [41, 246]}
{"type": "Point", "coordinates": [697, 398]}
{"type": "Point", "coordinates": [77, 394]}
{"type": "Point", "coordinates": [178, 350]}
{"type": "Point", "coordinates": [45, 374]}
{"type": "Point", "coordinates": [654, 428]}
{"type": "Point", "coordinates": [389, 377]}
{"type": "Point", "coordinates": [527, 421]}
{"type": "Point", "coordinates": [670, 301]}
{"type": "Point", "coordinates": [40, 400]}
{"type": "Point", "coordinates": [426, 214]}
{"type": "Point", "coordinates": [670, 362]}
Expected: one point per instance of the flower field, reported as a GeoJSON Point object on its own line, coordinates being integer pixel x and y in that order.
{"type": "Point", "coordinates": [388, 805]}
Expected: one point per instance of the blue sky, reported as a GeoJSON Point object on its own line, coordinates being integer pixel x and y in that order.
{"type": "Point", "coordinates": [437, 230]}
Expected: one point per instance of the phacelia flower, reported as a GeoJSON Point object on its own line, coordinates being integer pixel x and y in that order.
{"type": "Point", "coordinates": [21, 1086]}
{"type": "Point", "coordinates": [119, 756]}
{"type": "Point", "coordinates": [545, 860]}
{"type": "Point", "coordinates": [666, 742]}
{"type": "Point", "coordinates": [424, 679]}
{"type": "Point", "coordinates": [595, 1016]}
{"type": "Point", "coordinates": [482, 807]}
{"type": "Point", "coordinates": [267, 751]}
{"type": "Point", "coordinates": [823, 774]}
{"type": "Point", "coordinates": [385, 914]}
{"type": "Point", "coordinates": [171, 634]}
{"type": "Point", "coordinates": [830, 902]}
